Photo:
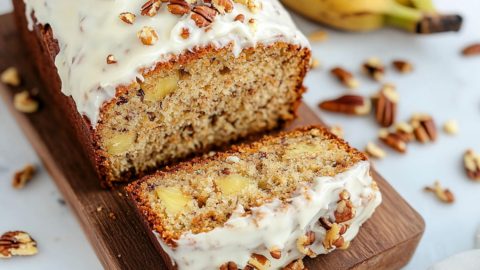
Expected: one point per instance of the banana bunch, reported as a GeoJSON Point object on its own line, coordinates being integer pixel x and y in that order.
{"type": "Point", "coordinates": [416, 16]}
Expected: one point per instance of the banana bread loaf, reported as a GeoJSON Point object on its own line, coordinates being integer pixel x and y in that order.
{"type": "Point", "coordinates": [147, 83]}
{"type": "Point", "coordinates": [259, 206]}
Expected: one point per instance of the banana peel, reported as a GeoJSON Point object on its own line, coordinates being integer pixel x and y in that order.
{"type": "Point", "coordinates": [416, 16]}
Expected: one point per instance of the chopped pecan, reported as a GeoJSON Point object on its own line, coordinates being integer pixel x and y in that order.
{"type": "Point", "coordinates": [240, 18]}
{"type": "Point", "coordinates": [386, 105]}
{"type": "Point", "coordinates": [303, 243]}
{"type": "Point", "coordinates": [424, 128]}
{"type": "Point", "coordinates": [111, 59]}
{"type": "Point", "coordinates": [295, 265]}
{"type": "Point", "coordinates": [348, 104]}
{"type": "Point", "coordinates": [375, 151]}
{"type": "Point", "coordinates": [471, 50]}
{"type": "Point", "coordinates": [345, 77]}
{"type": "Point", "coordinates": [223, 6]}
{"type": "Point", "coordinates": [443, 194]}
{"type": "Point", "coordinates": [276, 253]}
{"type": "Point", "coordinates": [259, 262]}
{"type": "Point", "coordinates": [334, 238]}
{"type": "Point", "coordinates": [253, 5]}
{"type": "Point", "coordinates": [25, 102]}
{"type": "Point", "coordinates": [229, 266]}
{"type": "Point", "coordinates": [393, 140]}
{"type": "Point", "coordinates": [148, 35]}
{"type": "Point", "coordinates": [17, 243]}
{"type": "Point", "coordinates": [10, 77]}
{"type": "Point", "coordinates": [203, 15]}
{"type": "Point", "coordinates": [345, 210]}
{"type": "Point", "coordinates": [127, 17]}
{"type": "Point", "coordinates": [471, 162]}
{"type": "Point", "coordinates": [22, 177]}
{"type": "Point", "coordinates": [405, 130]}
{"type": "Point", "coordinates": [374, 68]}
{"type": "Point", "coordinates": [178, 7]}
{"type": "Point", "coordinates": [402, 66]}
{"type": "Point", "coordinates": [151, 7]}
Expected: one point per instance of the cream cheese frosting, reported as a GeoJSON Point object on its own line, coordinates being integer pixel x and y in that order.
{"type": "Point", "coordinates": [278, 225]}
{"type": "Point", "coordinates": [89, 30]}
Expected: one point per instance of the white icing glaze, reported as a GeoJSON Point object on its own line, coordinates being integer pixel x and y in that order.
{"type": "Point", "coordinates": [90, 30]}
{"type": "Point", "coordinates": [278, 225]}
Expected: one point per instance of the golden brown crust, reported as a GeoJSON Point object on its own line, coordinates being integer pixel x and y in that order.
{"type": "Point", "coordinates": [137, 188]}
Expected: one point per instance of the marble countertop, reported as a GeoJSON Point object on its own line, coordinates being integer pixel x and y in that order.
{"type": "Point", "coordinates": [443, 84]}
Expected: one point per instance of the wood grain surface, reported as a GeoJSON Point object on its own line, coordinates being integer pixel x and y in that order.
{"type": "Point", "coordinates": [386, 241]}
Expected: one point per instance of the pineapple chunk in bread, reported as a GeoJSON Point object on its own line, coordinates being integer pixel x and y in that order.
{"type": "Point", "coordinates": [265, 205]}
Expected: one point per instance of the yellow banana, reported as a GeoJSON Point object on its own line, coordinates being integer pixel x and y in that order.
{"type": "Point", "coordinates": [365, 15]}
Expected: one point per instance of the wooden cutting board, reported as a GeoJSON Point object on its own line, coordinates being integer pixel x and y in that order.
{"type": "Point", "coordinates": [386, 241]}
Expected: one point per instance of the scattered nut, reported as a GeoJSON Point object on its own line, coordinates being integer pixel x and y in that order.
{"type": "Point", "coordinates": [424, 128]}
{"type": "Point", "coordinates": [393, 140]}
{"type": "Point", "coordinates": [178, 7]}
{"type": "Point", "coordinates": [375, 151]}
{"type": "Point", "coordinates": [318, 36]}
{"type": "Point", "coordinates": [229, 266]}
{"type": "Point", "coordinates": [239, 18]}
{"type": "Point", "coordinates": [223, 6]}
{"type": "Point", "coordinates": [17, 243]}
{"type": "Point", "coordinates": [314, 63]}
{"type": "Point", "coordinates": [148, 35]}
{"type": "Point", "coordinates": [203, 15]}
{"type": "Point", "coordinates": [402, 66]}
{"type": "Point", "coordinates": [295, 265]}
{"type": "Point", "coordinates": [337, 131]}
{"type": "Point", "coordinates": [10, 77]}
{"type": "Point", "coordinates": [386, 105]}
{"type": "Point", "coordinates": [345, 77]}
{"type": "Point", "coordinates": [276, 253]}
{"type": "Point", "coordinates": [25, 102]}
{"type": "Point", "coordinates": [348, 104]}
{"type": "Point", "coordinates": [111, 59]}
{"type": "Point", "coordinates": [444, 195]}
{"type": "Point", "coordinates": [471, 162]}
{"type": "Point", "coordinates": [151, 7]}
{"type": "Point", "coordinates": [471, 50]}
{"type": "Point", "coordinates": [185, 33]}
{"type": "Point", "coordinates": [451, 127]}
{"type": "Point", "coordinates": [253, 5]}
{"type": "Point", "coordinates": [22, 177]}
{"type": "Point", "coordinates": [127, 17]}
{"type": "Point", "coordinates": [405, 130]}
{"type": "Point", "coordinates": [374, 68]}
{"type": "Point", "coordinates": [345, 210]}
{"type": "Point", "coordinates": [334, 238]}
{"type": "Point", "coordinates": [259, 262]}
{"type": "Point", "coordinates": [303, 243]}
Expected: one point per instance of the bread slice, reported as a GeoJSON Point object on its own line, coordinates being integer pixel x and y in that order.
{"type": "Point", "coordinates": [272, 202]}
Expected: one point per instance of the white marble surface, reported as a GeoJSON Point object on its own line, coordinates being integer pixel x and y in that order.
{"type": "Point", "coordinates": [443, 84]}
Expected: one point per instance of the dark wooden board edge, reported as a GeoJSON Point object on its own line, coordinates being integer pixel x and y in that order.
{"type": "Point", "coordinates": [399, 226]}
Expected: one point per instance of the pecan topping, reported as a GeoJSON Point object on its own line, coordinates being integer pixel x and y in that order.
{"type": "Point", "coordinates": [303, 243]}
{"type": "Point", "coordinates": [345, 210]}
{"type": "Point", "coordinates": [148, 35]}
{"type": "Point", "coordinates": [347, 104]}
{"type": "Point", "coordinates": [471, 50]}
{"type": "Point", "coordinates": [185, 33]}
{"type": "Point", "coordinates": [178, 7]}
{"type": "Point", "coordinates": [375, 151]}
{"type": "Point", "coordinates": [223, 6]}
{"type": "Point", "coordinates": [334, 238]}
{"type": "Point", "coordinates": [127, 17]}
{"type": "Point", "coordinates": [295, 265]}
{"type": "Point", "coordinates": [386, 105]}
{"type": "Point", "coordinates": [424, 128]}
{"type": "Point", "coordinates": [111, 59]}
{"type": "Point", "coordinates": [276, 253]}
{"type": "Point", "coordinates": [17, 243]}
{"type": "Point", "coordinates": [393, 140]}
{"type": "Point", "coordinates": [345, 77]}
{"type": "Point", "coordinates": [22, 177]}
{"type": "Point", "coordinates": [253, 5]}
{"type": "Point", "coordinates": [259, 262]}
{"type": "Point", "coordinates": [471, 162]}
{"type": "Point", "coordinates": [229, 266]}
{"type": "Point", "coordinates": [402, 66]}
{"type": "Point", "coordinates": [25, 102]}
{"type": "Point", "coordinates": [203, 15]}
{"type": "Point", "coordinates": [240, 18]}
{"type": "Point", "coordinates": [444, 195]}
{"type": "Point", "coordinates": [10, 77]}
{"type": "Point", "coordinates": [374, 68]}
{"type": "Point", "coordinates": [151, 7]}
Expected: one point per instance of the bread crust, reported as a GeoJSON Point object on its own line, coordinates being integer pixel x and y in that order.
{"type": "Point", "coordinates": [43, 48]}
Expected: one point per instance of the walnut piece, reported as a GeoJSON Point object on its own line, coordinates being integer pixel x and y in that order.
{"type": "Point", "coordinates": [17, 243]}
{"type": "Point", "coordinates": [23, 176]}
{"type": "Point", "coordinates": [10, 76]}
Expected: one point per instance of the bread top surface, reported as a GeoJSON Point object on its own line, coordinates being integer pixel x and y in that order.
{"type": "Point", "coordinates": [201, 195]}
{"type": "Point", "coordinates": [100, 51]}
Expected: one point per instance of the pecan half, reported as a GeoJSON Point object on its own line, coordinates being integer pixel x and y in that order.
{"type": "Point", "coordinates": [348, 104]}
{"type": "Point", "coordinates": [424, 128]}
{"type": "Point", "coordinates": [178, 7]}
{"type": "Point", "coordinates": [229, 266]}
{"type": "Point", "coordinates": [405, 130]}
{"type": "Point", "coordinates": [223, 6]}
{"type": "Point", "coordinates": [276, 253]}
{"type": "Point", "coordinates": [471, 50]}
{"type": "Point", "coordinates": [203, 15]}
{"type": "Point", "coordinates": [471, 162]}
{"type": "Point", "coordinates": [259, 262]}
{"type": "Point", "coordinates": [345, 77]}
{"type": "Point", "coordinates": [402, 66]}
{"type": "Point", "coordinates": [393, 140]}
{"type": "Point", "coordinates": [127, 17]}
{"type": "Point", "coordinates": [17, 243]}
{"type": "Point", "coordinates": [22, 177]}
{"type": "Point", "coordinates": [295, 265]}
{"type": "Point", "coordinates": [443, 194]}
{"type": "Point", "coordinates": [374, 68]}
{"type": "Point", "coordinates": [239, 18]}
{"type": "Point", "coordinates": [386, 105]}
{"type": "Point", "coordinates": [151, 7]}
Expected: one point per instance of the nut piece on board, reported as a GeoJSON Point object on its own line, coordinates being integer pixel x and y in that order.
{"type": "Point", "coordinates": [374, 69]}
{"type": "Point", "coordinates": [348, 104]}
{"type": "Point", "coordinates": [386, 105]}
{"type": "Point", "coordinates": [22, 177]}
{"type": "Point", "coordinates": [471, 162]}
{"type": "Point", "coordinates": [424, 128]}
{"type": "Point", "coordinates": [345, 77]}
{"type": "Point", "coordinates": [17, 243]}
{"type": "Point", "coordinates": [10, 76]}
{"type": "Point", "coordinates": [25, 102]}
{"type": "Point", "coordinates": [443, 194]}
